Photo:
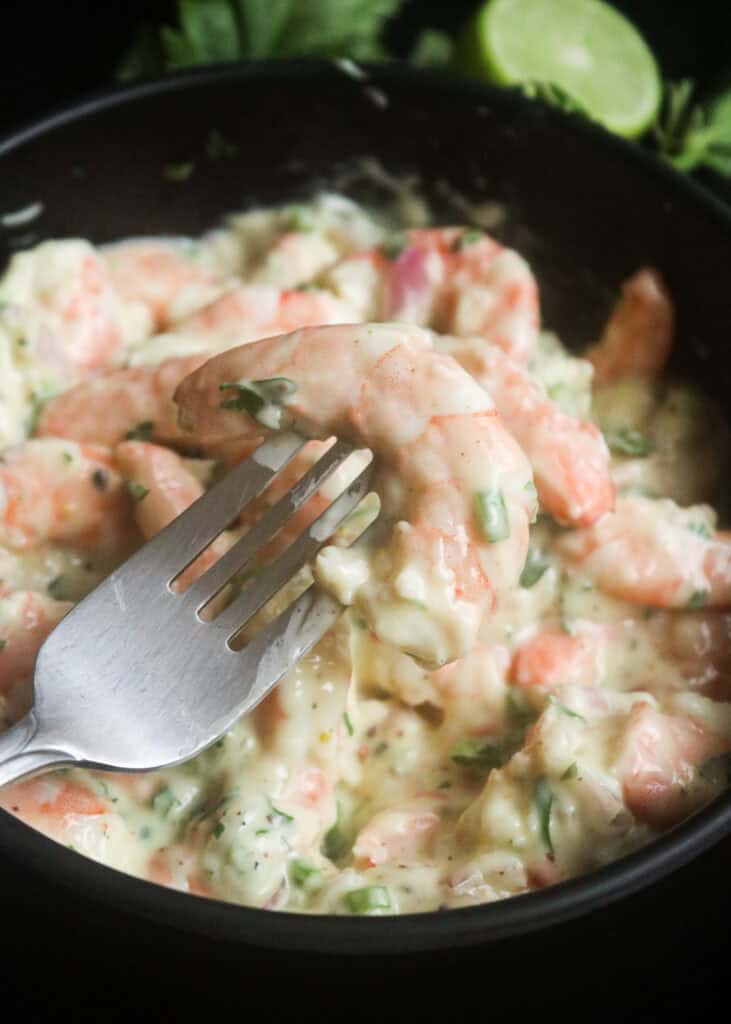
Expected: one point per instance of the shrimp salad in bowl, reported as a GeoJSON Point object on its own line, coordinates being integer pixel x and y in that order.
{"type": "Point", "coordinates": [531, 676]}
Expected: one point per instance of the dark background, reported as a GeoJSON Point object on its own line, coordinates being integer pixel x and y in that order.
{"type": "Point", "coordinates": [662, 955]}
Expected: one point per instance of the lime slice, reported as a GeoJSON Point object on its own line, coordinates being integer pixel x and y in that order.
{"type": "Point", "coordinates": [584, 47]}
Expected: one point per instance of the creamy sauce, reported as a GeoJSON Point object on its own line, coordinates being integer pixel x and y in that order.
{"type": "Point", "coordinates": [591, 713]}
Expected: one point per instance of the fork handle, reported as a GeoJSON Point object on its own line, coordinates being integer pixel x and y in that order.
{"type": "Point", "coordinates": [20, 755]}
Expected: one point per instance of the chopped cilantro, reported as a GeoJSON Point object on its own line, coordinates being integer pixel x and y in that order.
{"type": "Point", "coordinates": [348, 723]}
{"type": "Point", "coordinates": [479, 754]}
{"type": "Point", "coordinates": [468, 237]}
{"type": "Point", "coordinates": [260, 398]}
{"type": "Point", "coordinates": [701, 528]}
{"type": "Point", "coordinates": [57, 588]}
{"type": "Point", "coordinates": [136, 491]}
{"type": "Point", "coordinates": [697, 599]}
{"type": "Point", "coordinates": [543, 800]}
{"type": "Point", "coordinates": [142, 432]}
{"type": "Point", "coordinates": [571, 772]}
{"type": "Point", "coordinates": [163, 800]}
{"type": "Point", "coordinates": [304, 875]}
{"type": "Point", "coordinates": [219, 829]}
{"type": "Point", "coordinates": [560, 706]}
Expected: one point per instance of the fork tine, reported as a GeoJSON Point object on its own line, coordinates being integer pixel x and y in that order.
{"type": "Point", "coordinates": [176, 546]}
{"type": "Point", "coordinates": [205, 588]}
{"type": "Point", "coordinates": [240, 611]}
{"type": "Point", "coordinates": [283, 641]}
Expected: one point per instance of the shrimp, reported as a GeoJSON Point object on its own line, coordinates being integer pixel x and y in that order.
{"type": "Point", "coordinates": [655, 553]}
{"type": "Point", "coordinates": [106, 407]}
{"type": "Point", "coordinates": [58, 806]}
{"type": "Point", "coordinates": [569, 456]}
{"type": "Point", "coordinates": [550, 660]}
{"type": "Point", "coordinates": [64, 312]}
{"type": "Point", "coordinates": [26, 619]}
{"type": "Point", "coordinates": [398, 831]}
{"type": "Point", "coordinates": [157, 275]}
{"type": "Point", "coordinates": [167, 489]}
{"type": "Point", "coordinates": [657, 763]}
{"type": "Point", "coordinates": [253, 311]}
{"type": "Point", "coordinates": [638, 337]}
{"type": "Point", "coordinates": [62, 492]}
{"type": "Point", "coordinates": [452, 480]}
{"type": "Point", "coordinates": [465, 283]}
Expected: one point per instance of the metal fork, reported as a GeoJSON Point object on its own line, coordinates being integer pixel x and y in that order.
{"type": "Point", "coordinates": [133, 678]}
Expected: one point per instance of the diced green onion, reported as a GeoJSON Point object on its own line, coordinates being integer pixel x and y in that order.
{"type": "Point", "coordinates": [372, 897]}
{"type": "Point", "coordinates": [163, 800]}
{"type": "Point", "coordinates": [142, 432]}
{"type": "Point", "coordinates": [543, 800]}
{"type": "Point", "coordinates": [492, 515]}
{"type": "Point", "coordinates": [697, 599]}
{"type": "Point", "coordinates": [535, 566]}
{"type": "Point", "coordinates": [304, 875]}
{"type": "Point", "coordinates": [479, 754]}
{"type": "Point", "coordinates": [626, 441]}
{"type": "Point", "coordinates": [278, 817]}
{"type": "Point", "coordinates": [135, 490]}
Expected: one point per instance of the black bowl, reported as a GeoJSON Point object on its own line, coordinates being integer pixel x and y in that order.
{"type": "Point", "coordinates": [584, 207]}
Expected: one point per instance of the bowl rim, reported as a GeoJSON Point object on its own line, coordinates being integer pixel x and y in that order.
{"type": "Point", "coordinates": [412, 932]}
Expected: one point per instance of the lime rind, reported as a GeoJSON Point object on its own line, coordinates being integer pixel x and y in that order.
{"type": "Point", "coordinates": [584, 47]}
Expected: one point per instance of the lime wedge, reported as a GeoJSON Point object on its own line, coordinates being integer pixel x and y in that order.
{"type": "Point", "coordinates": [584, 47]}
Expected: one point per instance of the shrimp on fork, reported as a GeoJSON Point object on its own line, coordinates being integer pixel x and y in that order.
{"type": "Point", "coordinates": [452, 482]}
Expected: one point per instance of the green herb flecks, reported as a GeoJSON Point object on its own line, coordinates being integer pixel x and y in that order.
{"type": "Point", "coordinates": [535, 566]}
{"type": "Point", "coordinates": [163, 801]}
{"type": "Point", "coordinates": [697, 599]}
{"type": "Point", "coordinates": [365, 901]}
{"type": "Point", "coordinates": [491, 514]}
{"type": "Point", "coordinates": [142, 432]}
{"type": "Point", "coordinates": [3, 644]}
{"type": "Point", "coordinates": [701, 528]}
{"type": "Point", "coordinates": [57, 588]}
{"type": "Point", "coordinates": [348, 723]}
{"type": "Point", "coordinates": [560, 706]}
{"type": "Point", "coordinates": [304, 875]}
{"type": "Point", "coordinates": [277, 817]}
{"type": "Point", "coordinates": [468, 237]}
{"type": "Point", "coordinates": [394, 245]}
{"type": "Point", "coordinates": [219, 829]}
{"type": "Point", "coordinates": [543, 802]}
{"type": "Point", "coordinates": [625, 441]}
{"type": "Point", "coordinates": [300, 219]}
{"type": "Point", "coordinates": [137, 492]}
{"type": "Point", "coordinates": [691, 135]}
{"type": "Point", "coordinates": [261, 399]}
{"type": "Point", "coordinates": [571, 772]}
{"type": "Point", "coordinates": [481, 755]}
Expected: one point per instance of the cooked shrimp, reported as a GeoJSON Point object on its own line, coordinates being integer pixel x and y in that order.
{"type": "Point", "coordinates": [550, 660]}
{"type": "Point", "coordinates": [56, 805]}
{"type": "Point", "coordinates": [453, 482]}
{"type": "Point", "coordinates": [26, 619]}
{"type": "Point", "coordinates": [638, 337]}
{"type": "Point", "coordinates": [463, 282]}
{"type": "Point", "coordinates": [658, 761]}
{"type": "Point", "coordinates": [105, 408]}
{"type": "Point", "coordinates": [569, 456]}
{"type": "Point", "coordinates": [254, 311]}
{"type": "Point", "coordinates": [63, 492]}
{"type": "Point", "coordinates": [163, 488]}
{"type": "Point", "coordinates": [158, 275]}
{"type": "Point", "coordinates": [655, 553]}
{"type": "Point", "coordinates": [61, 306]}
{"type": "Point", "coordinates": [398, 831]}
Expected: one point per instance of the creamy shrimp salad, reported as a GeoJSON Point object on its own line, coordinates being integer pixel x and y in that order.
{"type": "Point", "coordinates": [530, 677]}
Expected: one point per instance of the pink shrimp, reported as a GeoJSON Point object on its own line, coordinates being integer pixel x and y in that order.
{"type": "Point", "coordinates": [648, 552]}
{"type": "Point", "coordinates": [252, 311]}
{"type": "Point", "coordinates": [55, 805]}
{"type": "Point", "coordinates": [26, 619]}
{"type": "Point", "coordinates": [638, 336]}
{"type": "Point", "coordinates": [658, 757]}
{"type": "Point", "coordinates": [465, 283]}
{"type": "Point", "coordinates": [156, 274]}
{"type": "Point", "coordinates": [398, 831]}
{"type": "Point", "coordinates": [106, 407]}
{"type": "Point", "coordinates": [569, 456]}
{"type": "Point", "coordinates": [167, 489]}
{"type": "Point", "coordinates": [550, 660]}
{"type": "Point", "coordinates": [65, 308]}
{"type": "Point", "coordinates": [62, 492]}
{"type": "Point", "coordinates": [452, 478]}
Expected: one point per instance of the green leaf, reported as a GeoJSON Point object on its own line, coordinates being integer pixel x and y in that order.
{"type": "Point", "coordinates": [372, 897]}
{"type": "Point", "coordinates": [178, 51]}
{"type": "Point", "coordinates": [626, 441]}
{"type": "Point", "coordinates": [337, 28]}
{"type": "Point", "coordinates": [535, 566]}
{"type": "Point", "coordinates": [691, 135]}
{"type": "Point", "coordinates": [211, 29]}
{"type": "Point", "coordinates": [492, 515]}
{"type": "Point", "coordinates": [543, 801]}
{"type": "Point", "coordinates": [262, 25]}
